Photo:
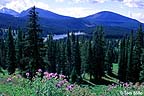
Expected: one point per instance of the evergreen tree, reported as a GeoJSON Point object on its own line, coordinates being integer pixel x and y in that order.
{"type": "Point", "coordinates": [137, 55]}
{"type": "Point", "coordinates": [89, 60]}
{"type": "Point", "coordinates": [10, 56]}
{"type": "Point", "coordinates": [84, 56]}
{"type": "Point", "coordinates": [109, 59]}
{"type": "Point", "coordinates": [122, 71]}
{"type": "Point", "coordinates": [33, 44]}
{"type": "Point", "coordinates": [77, 59]}
{"type": "Point", "coordinates": [51, 54]}
{"type": "Point", "coordinates": [62, 58]}
{"type": "Point", "coordinates": [142, 71]}
{"type": "Point", "coordinates": [19, 48]}
{"type": "Point", "coordinates": [2, 50]}
{"type": "Point", "coordinates": [130, 58]}
{"type": "Point", "coordinates": [98, 53]}
{"type": "Point", "coordinates": [68, 56]}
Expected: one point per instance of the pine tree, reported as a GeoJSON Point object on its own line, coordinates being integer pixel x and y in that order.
{"type": "Point", "coordinates": [137, 55]}
{"type": "Point", "coordinates": [10, 56]}
{"type": "Point", "coordinates": [68, 56]}
{"type": "Point", "coordinates": [142, 70]}
{"type": "Point", "coordinates": [77, 60]}
{"type": "Point", "coordinates": [33, 44]}
{"type": "Point", "coordinates": [73, 71]}
{"type": "Point", "coordinates": [19, 48]}
{"type": "Point", "coordinates": [2, 50]}
{"type": "Point", "coordinates": [84, 55]}
{"type": "Point", "coordinates": [89, 60]}
{"type": "Point", "coordinates": [62, 58]}
{"type": "Point", "coordinates": [98, 53]}
{"type": "Point", "coordinates": [109, 58]}
{"type": "Point", "coordinates": [122, 71]}
{"type": "Point", "coordinates": [130, 60]}
{"type": "Point", "coordinates": [51, 54]}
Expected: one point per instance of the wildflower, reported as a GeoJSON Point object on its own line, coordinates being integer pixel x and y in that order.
{"type": "Point", "coordinates": [27, 74]}
{"type": "Point", "coordinates": [51, 75]}
{"type": "Point", "coordinates": [46, 73]}
{"type": "Point", "coordinates": [70, 87]}
{"type": "Point", "coordinates": [58, 85]}
{"type": "Point", "coordinates": [9, 79]}
{"type": "Point", "coordinates": [62, 76]}
{"type": "Point", "coordinates": [126, 84]}
{"type": "Point", "coordinates": [39, 70]}
{"type": "Point", "coordinates": [65, 80]}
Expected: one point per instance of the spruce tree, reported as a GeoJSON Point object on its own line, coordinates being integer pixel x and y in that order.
{"type": "Point", "coordinates": [10, 55]}
{"type": "Point", "coordinates": [33, 44]}
{"type": "Point", "coordinates": [51, 54]}
{"type": "Point", "coordinates": [141, 78]}
{"type": "Point", "coordinates": [137, 55]}
{"type": "Point", "coordinates": [89, 60]}
{"type": "Point", "coordinates": [98, 53]}
{"type": "Point", "coordinates": [77, 60]}
{"type": "Point", "coordinates": [19, 48]}
{"type": "Point", "coordinates": [109, 59]}
{"type": "Point", "coordinates": [122, 71]}
{"type": "Point", "coordinates": [84, 55]}
{"type": "Point", "coordinates": [68, 56]}
{"type": "Point", "coordinates": [130, 58]}
{"type": "Point", "coordinates": [2, 50]}
{"type": "Point", "coordinates": [62, 58]}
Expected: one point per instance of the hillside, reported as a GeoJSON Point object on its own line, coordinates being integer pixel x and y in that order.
{"type": "Point", "coordinates": [113, 23]}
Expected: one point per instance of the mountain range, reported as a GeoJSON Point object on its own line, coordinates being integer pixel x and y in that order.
{"type": "Point", "coordinates": [114, 24]}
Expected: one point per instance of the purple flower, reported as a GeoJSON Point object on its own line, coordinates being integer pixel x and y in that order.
{"type": "Point", "coordinates": [9, 79]}
{"type": "Point", "coordinates": [46, 73]}
{"type": "Point", "coordinates": [62, 76]}
{"type": "Point", "coordinates": [126, 84]}
{"type": "Point", "coordinates": [58, 85]}
{"type": "Point", "coordinates": [27, 74]}
{"type": "Point", "coordinates": [39, 70]}
{"type": "Point", "coordinates": [70, 87]}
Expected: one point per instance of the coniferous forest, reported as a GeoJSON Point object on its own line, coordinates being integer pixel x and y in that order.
{"type": "Point", "coordinates": [83, 61]}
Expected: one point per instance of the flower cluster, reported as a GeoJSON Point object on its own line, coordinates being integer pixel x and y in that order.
{"type": "Point", "coordinates": [60, 79]}
{"type": "Point", "coordinates": [70, 87]}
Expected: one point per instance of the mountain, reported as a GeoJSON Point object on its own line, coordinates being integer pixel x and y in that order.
{"type": "Point", "coordinates": [44, 14]}
{"type": "Point", "coordinates": [8, 11]}
{"type": "Point", "coordinates": [114, 24]}
{"type": "Point", "coordinates": [107, 18]}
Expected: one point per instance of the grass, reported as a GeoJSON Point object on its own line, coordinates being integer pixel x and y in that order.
{"type": "Point", "coordinates": [19, 86]}
{"type": "Point", "coordinates": [115, 68]}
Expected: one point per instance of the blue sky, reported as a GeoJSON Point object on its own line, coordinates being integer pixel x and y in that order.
{"type": "Point", "coordinates": [81, 8]}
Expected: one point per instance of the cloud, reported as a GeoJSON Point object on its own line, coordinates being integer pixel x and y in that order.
{"type": "Point", "coordinates": [132, 3]}
{"type": "Point", "coordinates": [19, 5]}
{"type": "Point", "coordinates": [59, 0]}
{"type": "Point", "coordinates": [74, 11]}
{"type": "Point", "coordinates": [88, 1]}
{"type": "Point", "coordinates": [98, 1]}
{"type": "Point", "coordinates": [138, 16]}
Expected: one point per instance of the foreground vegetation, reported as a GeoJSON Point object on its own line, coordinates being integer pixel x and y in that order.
{"type": "Point", "coordinates": [53, 84]}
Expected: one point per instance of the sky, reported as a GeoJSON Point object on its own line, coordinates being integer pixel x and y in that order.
{"type": "Point", "coordinates": [81, 8]}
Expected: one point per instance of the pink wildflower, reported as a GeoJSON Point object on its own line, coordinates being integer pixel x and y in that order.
{"type": "Point", "coordinates": [46, 73]}
{"type": "Point", "coordinates": [62, 76]}
{"type": "Point", "coordinates": [9, 79]}
{"type": "Point", "coordinates": [126, 84]}
{"type": "Point", "coordinates": [70, 87]}
{"type": "Point", "coordinates": [39, 70]}
{"type": "Point", "coordinates": [27, 74]}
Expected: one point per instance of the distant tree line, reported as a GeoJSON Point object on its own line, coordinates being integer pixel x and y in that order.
{"type": "Point", "coordinates": [74, 56]}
